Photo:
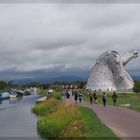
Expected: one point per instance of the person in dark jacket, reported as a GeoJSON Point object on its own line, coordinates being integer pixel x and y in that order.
{"type": "Point", "coordinates": [91, 97]}
{"type": "Point", "coordinates": [67, 95]}
{"type": "Point", "coordinates": [104, 99]}
{"type": "Point", "coordinates": [75, 96]}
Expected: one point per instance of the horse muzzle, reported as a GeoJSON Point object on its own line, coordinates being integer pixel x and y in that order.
{"type": "Point", "coordinates": [135, 54]}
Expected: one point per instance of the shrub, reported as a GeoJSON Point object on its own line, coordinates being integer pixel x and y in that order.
{"type": "Point", "coordinates": [57, 95]}
{"type": "Point", "coordinates": [46, 107]}
{"type": "Point", "coordinates": [61, 122]}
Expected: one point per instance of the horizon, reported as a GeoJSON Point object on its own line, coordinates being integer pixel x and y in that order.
{"type": "Point", "coordinates": [57, 78]}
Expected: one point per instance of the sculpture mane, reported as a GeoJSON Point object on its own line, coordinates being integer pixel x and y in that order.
{"type": "Point", "coordinates": [108, 74]}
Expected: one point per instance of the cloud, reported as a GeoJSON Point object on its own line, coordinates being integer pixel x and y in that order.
{"type": "Point", "coordinates": [67, 37]}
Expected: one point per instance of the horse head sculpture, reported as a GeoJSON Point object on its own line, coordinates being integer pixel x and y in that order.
{"type": "Point", "coordinates": [108, 74]}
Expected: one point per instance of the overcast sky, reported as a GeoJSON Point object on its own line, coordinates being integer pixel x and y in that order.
{"type": "Point", "coordinates": [65, 37]}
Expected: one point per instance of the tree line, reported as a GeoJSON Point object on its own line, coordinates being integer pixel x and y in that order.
{"type": "Point", "coordinates": [79, 84]}
{"type": "Point", "coordinates": [10, 84]}
{"type": "Point", "coordinates": [136, 86]}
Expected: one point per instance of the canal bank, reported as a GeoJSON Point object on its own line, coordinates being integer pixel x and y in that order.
{"type": "Point", "coordinates": [17, 120]}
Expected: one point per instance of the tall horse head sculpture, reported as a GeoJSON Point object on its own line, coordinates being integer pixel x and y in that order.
{"type": "Point", "coordinates": [108, 74]}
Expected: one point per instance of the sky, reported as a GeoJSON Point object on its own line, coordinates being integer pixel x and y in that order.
{"type": "Point", "coordinates": [46, 39]}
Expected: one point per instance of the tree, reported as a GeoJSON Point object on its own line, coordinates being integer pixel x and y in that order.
{"type": "Point", "coordinates": [136, 86]}
{"type": "Point", "coordinates": [3, 85]}
{"type": "Point", "coordinates": [10, 84]}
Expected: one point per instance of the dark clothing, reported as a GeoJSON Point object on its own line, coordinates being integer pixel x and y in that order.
{"type": "Point", "coordinates": [72, 93]}
{"type": "Point", "coordinates": [80, 97]}
{"type": "Point", "coordinates": [91, 98]}
{"type": "Point", "coordinates": [75, 97]}
{"type": "Point", "coordinates": [95, 96]}
{"type": "Point", "coordinates": [67, 95]}
{"type": "Point", "coordinates": [104, 100]}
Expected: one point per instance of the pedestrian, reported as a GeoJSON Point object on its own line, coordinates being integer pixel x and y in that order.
{"type": "Point", "coordinates": [114, 98]}
{"type": "Point", "coordinates": [104, 99]}
{"type": "Point", "coordinates": [80, 97]}
{"type": "Point", "coordinates": [72, 93]}
{"type": "Point", "coordinates": [75, 96]}
{"type": "Point", "coordinates": [67, 95]}
{"type": "Point", "coordinates": [95, 97]}
{"type": "Point", "coordinates": [91, 97]}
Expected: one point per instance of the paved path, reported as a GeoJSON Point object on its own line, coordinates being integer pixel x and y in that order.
{"type": "Point", "coordinates": [125, 123]}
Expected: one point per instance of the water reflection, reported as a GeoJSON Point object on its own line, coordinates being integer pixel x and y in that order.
{"type": "Point", "coordinates": [16, 118]}
{"type": "Point", "coordinates": [13, 100]}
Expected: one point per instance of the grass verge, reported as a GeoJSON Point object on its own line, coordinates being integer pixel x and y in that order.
{"type": "Point", "coordinates": [46, 107]}
{"type": "Point", "coordinates": [94, 127]}
{"type": "Point", "coordinates": [64, 120]}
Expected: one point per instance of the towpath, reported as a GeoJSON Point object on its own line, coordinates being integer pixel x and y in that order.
{"type": "Point", "coordinates": [125, 123]}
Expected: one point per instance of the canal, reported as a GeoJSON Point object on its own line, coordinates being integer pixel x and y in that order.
{"type": "Point", "coordinates": [16, 119]}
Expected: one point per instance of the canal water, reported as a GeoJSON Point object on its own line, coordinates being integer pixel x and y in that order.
{"type": "Point", "coordinates": [16, 119]}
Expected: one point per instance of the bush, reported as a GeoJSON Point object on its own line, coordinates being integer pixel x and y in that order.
{"type": "Point", "coordinates": [61, 122]}
{"type": "Point", "coordinates": [57, 95]}
{"type": "Point", "coordinates": [136, 87]}
{"type": "Point", "coordinates": [42, 91]}
{"type": "Point", "coordinates": [46, 107]}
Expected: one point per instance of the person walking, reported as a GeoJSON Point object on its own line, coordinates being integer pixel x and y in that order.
{"type": "Point", "coordinates": [104, 99]}
{"type": "Point", "coordinates": [91, 97]}
{"type": "Point", "coordinates": [67, 95]}
{"type": "Point", "coordinates": [95, 97]}
{"type": "Point", "coordinates": [75, 96]}
{"type": "Point", "coordinates": [114, 98]}
{"type": "Point", "coordinates": [80, 97]}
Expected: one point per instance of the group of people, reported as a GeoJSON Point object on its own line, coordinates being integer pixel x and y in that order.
{"type": "Point", "coordinates": [77, 96]}
{"type": "Point", "coordinates": [104, 98]}
{"type": "Point", "coordinates": [93, 96]}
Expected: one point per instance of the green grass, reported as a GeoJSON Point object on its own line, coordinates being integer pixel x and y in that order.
{"type": "Point", "coordinates": [69, 120]}
{"type": "Point", "coordinates": [59, 119]}
{"type": "Point", "coordinates": [122, 99]}
{"type": "Point", "coordinates": [42, 91]}
{"type": "Point", "coordinates": [45, 108]}
{"type": "Point", "coordinates": [62, 122]}
{"type": "Point", "coordinates": [1, 91]}
{"type": "Point", "coordinates": [133, 99]}
{"type": "Point", "coordinates": [94, 127]}
{"type": "Point", "coordinates": [57, 95]}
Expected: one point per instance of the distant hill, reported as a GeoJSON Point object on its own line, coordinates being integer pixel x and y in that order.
{"type": "Point", "coordinates": [49, 80]}
{"type": "Point", "coordinates": [65, 78]}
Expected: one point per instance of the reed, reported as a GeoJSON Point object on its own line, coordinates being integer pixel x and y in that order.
{"type": "Point", "coordinates": [65, 121]}
{"type": "Point", "coordinates": [57, 95]}
{"type": "Point", "coordinates": [46, 107]}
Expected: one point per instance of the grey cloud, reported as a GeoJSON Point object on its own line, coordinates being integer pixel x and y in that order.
{"type": "Point", "coordinates": [37, 37]}
{"type": "Point", "coordinates": [69, 1]}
